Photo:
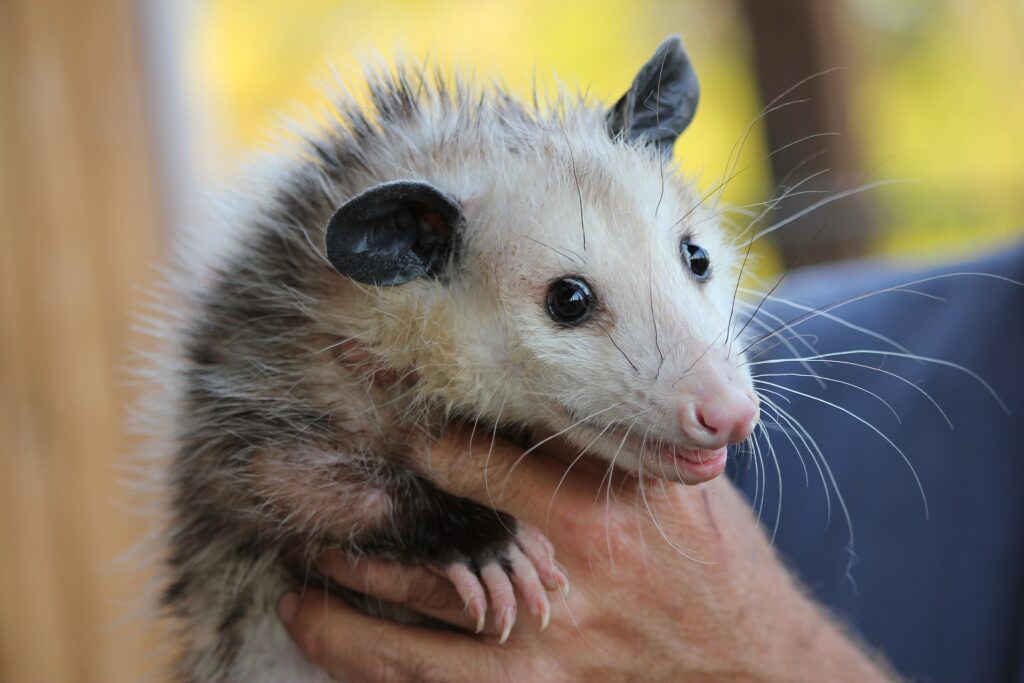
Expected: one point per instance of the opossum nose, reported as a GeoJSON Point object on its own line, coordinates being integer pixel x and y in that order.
{"type": "Point", "coordinates": [720, 418]}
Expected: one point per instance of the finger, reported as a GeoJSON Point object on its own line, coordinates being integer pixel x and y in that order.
{"type": "Point", "coordinates": [502, 475]}
{"type": "Point", "coordinates": [353, 646]}
{"type": "Point", "coordinates": [419, 589]}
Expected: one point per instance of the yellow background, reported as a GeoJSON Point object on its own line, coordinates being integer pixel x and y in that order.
{"type": "Point", "coordinates": [937, 99]}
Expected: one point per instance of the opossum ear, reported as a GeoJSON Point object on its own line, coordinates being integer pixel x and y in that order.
{"type": "Point", "coordinates": [661, 103]}
{"type": "Point", "coordinates": [393, 233]}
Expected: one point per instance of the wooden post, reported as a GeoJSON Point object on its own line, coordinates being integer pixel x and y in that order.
{"type": "Point", "coordinates": [79, 234]}
{"type": "Point", "coordinates": [794, 39]}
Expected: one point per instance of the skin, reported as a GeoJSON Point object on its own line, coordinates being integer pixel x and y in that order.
{"type": "Point", "coordinates": [638, 609]}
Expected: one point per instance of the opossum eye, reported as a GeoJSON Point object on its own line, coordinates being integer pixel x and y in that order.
{"type": "Point", "coordinates": [696, 259]}
{"type": "Point", "coordinates": [570, 301]}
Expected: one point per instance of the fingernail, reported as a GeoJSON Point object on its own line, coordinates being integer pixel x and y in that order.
{"type": "Point", "coordinates": [287, 606]}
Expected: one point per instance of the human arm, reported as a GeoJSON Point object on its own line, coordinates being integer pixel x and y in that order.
{"type": "Point", "coordinates": [669, 583]}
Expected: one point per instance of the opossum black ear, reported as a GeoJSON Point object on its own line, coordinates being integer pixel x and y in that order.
{"type": "Point", "coordinates": [393, 233]}
{"type": "Point", "coordinates": [662, 100]}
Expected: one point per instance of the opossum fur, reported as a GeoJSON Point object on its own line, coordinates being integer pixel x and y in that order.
{"type": "Point", "coordinates": [304, 400]}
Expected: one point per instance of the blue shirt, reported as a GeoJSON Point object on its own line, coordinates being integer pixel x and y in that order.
{"type": "Point", "coordinates": [940, 594]}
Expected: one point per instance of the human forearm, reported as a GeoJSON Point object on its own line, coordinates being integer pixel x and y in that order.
{"type": "Point", "coordinates": [669, 584]}
{"type": "Point", "coordinates": [809, 644]}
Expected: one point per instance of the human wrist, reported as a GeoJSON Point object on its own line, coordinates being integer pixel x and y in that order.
{"type": "Point", "coordinates": [801, 641]}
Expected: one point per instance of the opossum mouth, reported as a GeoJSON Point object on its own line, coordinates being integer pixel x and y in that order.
{"type": "Point", "coordinates": [694, 465]}
{"type": "Point", "coordinates": [671, 461]}
{"type": "Point", "coordinates": [677, 462]}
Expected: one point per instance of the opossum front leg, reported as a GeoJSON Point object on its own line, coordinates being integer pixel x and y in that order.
{"type": "Point", "coordinates": [489, 556]}
{"type": "Point", "coordinates": [368, 506]}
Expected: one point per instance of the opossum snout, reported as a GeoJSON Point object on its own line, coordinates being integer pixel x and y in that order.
{"type": "Point", "coordinates": [721, 414]}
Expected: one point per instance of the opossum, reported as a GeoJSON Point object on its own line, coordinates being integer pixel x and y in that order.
{"type": "Point", "coordinates": [445, 255]}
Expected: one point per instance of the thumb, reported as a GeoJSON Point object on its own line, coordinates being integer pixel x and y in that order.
{"type": "Point", "coordinates": [356, 647]}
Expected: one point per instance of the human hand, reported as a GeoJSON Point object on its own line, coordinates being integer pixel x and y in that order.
{"type": "Point", "coordinates": [669, 583]}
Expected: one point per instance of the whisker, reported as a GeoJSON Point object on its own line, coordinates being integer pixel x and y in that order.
{"type": "Point", "coordinates": [906, 460]}
{"type": "Point", "coordinates": [579, 192]}
{"type": "Point", "coordinates": [774, 201]}
{"type": "Point", "coordinates": [736, 153]}
{"type": "Point", "coordinates": [836, 319]}
{"type": "Point", "coordinates": [788, 343]}
{"type": "Point", "coordinates": [818, 458]}
{"type": "Point", "coordinates": [770, 107]}
{"type": "Point", "coordinates": [903, 287]}
{"type": "Point", "coordinates": [823, 202]}
{"type": "Point", "coordinates": [769, 206]}
{"type": "Point", "coordinates": [661, 531]}
{"type": "Point", "coordinates": [782, 277]}
{"type": "Point", "coordinates": [654, 319]}
{"type": "Point", "coordinates": [568, 255]}
{"type": "Point", "coordinates": [619, 349]}
{"type": "Point", "coordinates": [699, 358]}
{"type": "Point", "coordinates": [778, 480]}
{"type": "Point", "coordinates": [785, 432]}
{"type": "Point", "coordinates": [758, 461]}
{"type": "Point", "coordinates": [487, 462]}
{"type": "Point", "coordinates": [609, 475]}
{"type": "Point", "coordinates": [565, 475]}
{"type": "Point", "coordinates": [837, 381]}
{"type": "Point", "coordinates": [721, 185]}
{"type": "Point", "coordinates": [895, 375]}
{"type": "Point", "coordinates": [912, 356]}
{"type": "Point", "coordinates": [543, 441]}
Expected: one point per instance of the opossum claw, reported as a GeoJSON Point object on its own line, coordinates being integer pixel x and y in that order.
{"type": "Point", "coordinates": [468, 586]}
{"type": "Point", "coordinates": [525, 570]}
{"type": "Point", "coordinates": [529, 586]}
{"type": "Point", "coordinates": [503, 597]}
{"type": "Point", "coordinates": [505, 620]}
{"type": "Point", "coordinates": [541, 554]}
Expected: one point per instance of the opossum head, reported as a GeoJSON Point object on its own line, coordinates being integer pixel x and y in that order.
{"type": "Point", "coordinates": [553, 272]}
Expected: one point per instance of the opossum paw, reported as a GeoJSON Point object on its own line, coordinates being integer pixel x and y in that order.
{"type": "Point", "coordinates": [524, 567]}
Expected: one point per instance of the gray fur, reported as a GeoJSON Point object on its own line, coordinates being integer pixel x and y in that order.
{"type": "Point", "coordinates": [303, 399]}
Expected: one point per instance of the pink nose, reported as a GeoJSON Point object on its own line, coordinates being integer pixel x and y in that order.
{"type": "Point", "coordinates": [718, 419]}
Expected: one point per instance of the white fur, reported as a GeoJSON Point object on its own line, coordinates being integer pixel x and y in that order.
{"type": "Point", "coordinates": [480, 345]}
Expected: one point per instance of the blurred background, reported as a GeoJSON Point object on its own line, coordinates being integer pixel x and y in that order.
{"type": "Point", "coordinates": [120, 121]}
